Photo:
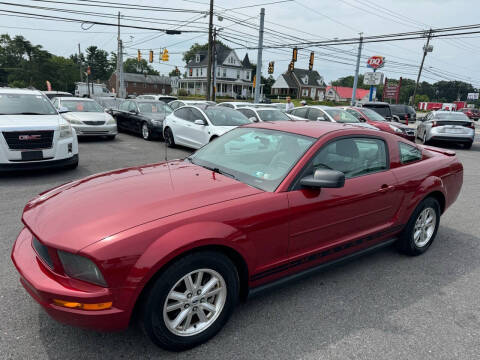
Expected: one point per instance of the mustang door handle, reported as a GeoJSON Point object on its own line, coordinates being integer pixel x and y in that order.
{"type": "Point", "coordinates": [386, 188]}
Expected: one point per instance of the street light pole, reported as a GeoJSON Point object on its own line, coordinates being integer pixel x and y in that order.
{"type": "Point", "coordinates": [258, 80]}
{"type": "Point", "coordinates": [357, 68]}
{"type": "Point", "coordinates": [209, 68]}
{"type": "Point", "coordinates": [426, 49]}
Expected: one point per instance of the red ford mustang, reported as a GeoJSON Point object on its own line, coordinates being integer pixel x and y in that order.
{"type": "Point", "coordinates": [179, 243]}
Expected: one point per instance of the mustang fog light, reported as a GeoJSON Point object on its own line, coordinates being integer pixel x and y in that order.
{"type": "Point", "coordinates": [77, 305]}
{"type": "Point", "coordinates": [82, 268]}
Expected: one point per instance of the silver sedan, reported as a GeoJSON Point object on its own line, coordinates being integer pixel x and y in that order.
{"type": "Point", "coordinates": [447, 126]}
{"type": "Point", "coordinates": [87, 117]}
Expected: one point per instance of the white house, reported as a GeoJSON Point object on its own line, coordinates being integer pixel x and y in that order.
{"type": "Point", "coordinates": [234, 77]}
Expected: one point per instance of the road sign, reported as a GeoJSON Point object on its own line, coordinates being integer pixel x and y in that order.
{"type": "Point", "coordinates": [373, 78]}
{"type": "Point", "coordinates": [376, 62]}
{"type": "Point", "coordinates": [472, 96]}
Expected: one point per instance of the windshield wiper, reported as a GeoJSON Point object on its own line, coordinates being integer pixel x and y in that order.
{"type": "Point", "coordinates": [27, 113]}
{"type": "Point", "coordinates": [218, 171]}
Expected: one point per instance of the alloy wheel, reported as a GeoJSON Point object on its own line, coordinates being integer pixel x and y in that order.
{"type": "Point", "coordinates": [424, 227]}
{"type": "Point", "coordinates": [145, 131]}
{"type": "Point", "coordinates": [194, 302]}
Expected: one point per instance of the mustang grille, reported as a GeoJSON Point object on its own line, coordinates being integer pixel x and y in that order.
{"type": "Point", "coordinates": [42, 251]}
{"type": "Point", "coordinates": [20, 140]}
{"type": "Point", "coordinates": [94, 122]}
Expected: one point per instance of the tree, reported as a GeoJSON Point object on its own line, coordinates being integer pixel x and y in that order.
{"type": "Point", "coordinates": [100, 67]}
{"type": "Point", "coordinates": [132, 65]}
{"type": "Point", "coordinates": [197, 48]}
{"type": "Point", "coordinates": [347, 81]}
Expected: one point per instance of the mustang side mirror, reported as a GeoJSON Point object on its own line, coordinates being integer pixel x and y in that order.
{"type": "Point", "coordinates": [320, 118]}
{"type": "Point", "coordinates": [324, 178]}
{"type": "Point", "coordinates": [200, 122]}
{"type": "Point", "coordinates": [63, 110]}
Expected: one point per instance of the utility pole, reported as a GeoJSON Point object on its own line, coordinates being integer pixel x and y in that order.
{"type": "Point", "coordinates": [117, 78]}
{"type": "Point", "coordinates": [121, 87]}
{"type": "Point", "coordinates": [80, 63]}
{"type": "Point", "coordinates": [426, 49]}
{"type": "Point", "coordinates": [214, 71]}
{"type": "Point", "coordinates": [258, 81]}
{"type": "Point", "coordinates": [357, 68]}
{"type": "Point", "coordinates": [209, 68]}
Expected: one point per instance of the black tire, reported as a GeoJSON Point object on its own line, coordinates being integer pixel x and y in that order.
{"type": "Point", "coordinates": [152, 318]}
{"type": "Point", "coordinates": [111, 137]}
{"type": "Point", "coordinates": [72, 166]}
{"type": "Point", "coordinates": [168, 136]}
{"type": "Point", "coordinates": [468, 145]}
{"type": "Point", "coordinates": [213, 138]}
{"type": "Point", "coordinates": [406, 242]}
{"type": "Point", "coordinates": [424, 139]}
{"type": "Point", "coordinates": [145, 132]}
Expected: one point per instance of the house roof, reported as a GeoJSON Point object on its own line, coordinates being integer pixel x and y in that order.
{"type": "Point", "coordinates": [346, 92]}
{"type": "Point", "coordinates": [314, 78]}
{"type": "Point", "coordinates": [246, 62]}
{"type": "Point", "coordinates": [222, 53]}
{"type": "Point", "coordinates": [149, 79]}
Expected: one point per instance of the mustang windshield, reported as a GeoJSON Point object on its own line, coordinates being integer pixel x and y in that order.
{"type": "Point", "coordinates": [258, 157]}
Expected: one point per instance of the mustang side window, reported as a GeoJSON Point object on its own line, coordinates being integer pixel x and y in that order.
{"type": "Point", "coordinates": [409, 153]}
{"type": "Point", "coordinates": [353, 156]}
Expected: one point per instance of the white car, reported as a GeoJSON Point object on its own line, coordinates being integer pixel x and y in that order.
{"type": "Point", "coordinates": [175, 104]}
{"type": "Point", "coordinates": [165, 98]}
{"type": "Point", "coordinates": [194, 127]}
{"type": "Point", "coordinates": [234, 104]}
{"type": "Point", "coordinates": [87, 117]}
{"type": "Point", "coordinates": [34, 134]}
{"type": "Point", "coordinates": [326, 113]}
{"type": "Point", "coordinates": [257, 114]}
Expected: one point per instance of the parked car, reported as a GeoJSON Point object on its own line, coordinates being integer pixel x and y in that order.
{"type": "Point", "coordinates": [165, 98]}
{"type": "Point", "coordinates": [179, 103]}
{"type": "Point", "coordinates": [194, 127]}
{"type": "Point", "coordinates": [375, 119]}
{"type": "Point", "coordinates": [326, 113]}
{"type": "Point", "coordinates": [178, 244]}
{"type": "Point", "coordinates": [34, 134]}
{"type": "Point", "coordinates": [109, 103]}
{"type": "Point", "coordinates": [87, 117]}
{"type": "Point", "coordinates": [383, 109]}
{"type": "Point", "coordinates": [256, 114]}
{"type": "Point", "coordinates": [473, 114]}
{"type": "Point", "coordinates": [144, 117]}
{"type": "Point", "coordinates": [234, 104]}
{"type": "Point", "coordinates": [447, 126]}
{"type": "Point", "coordinates": [406, 114]}
{"type": "Point", "coordinates": [53, 94]}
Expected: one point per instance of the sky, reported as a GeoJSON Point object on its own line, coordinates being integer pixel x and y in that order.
{"type": "Point", "coordinates": [285, 23]}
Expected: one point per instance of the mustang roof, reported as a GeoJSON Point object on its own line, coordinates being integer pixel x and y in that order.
{"type": "Point", "coordinates": [313, 129]}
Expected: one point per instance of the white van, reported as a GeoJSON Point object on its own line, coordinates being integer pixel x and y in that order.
{"type": "Point", "coordinates": [33, 133]}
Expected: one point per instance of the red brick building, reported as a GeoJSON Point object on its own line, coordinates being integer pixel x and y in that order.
{"type": "Point", "coordinates": [138, 84]}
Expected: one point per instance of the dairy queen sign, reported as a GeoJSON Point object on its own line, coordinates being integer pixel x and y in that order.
{"type": "Point", "coordinates": [376, 62]}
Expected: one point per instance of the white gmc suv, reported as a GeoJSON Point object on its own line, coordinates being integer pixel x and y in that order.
{"type": "Point", "coordinates": [33, 133]}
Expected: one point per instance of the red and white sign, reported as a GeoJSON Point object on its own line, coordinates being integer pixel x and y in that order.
{"type": "Point", "coordinates": [376, 62]}
{"type": "Point", "coordinates": [49, 86]}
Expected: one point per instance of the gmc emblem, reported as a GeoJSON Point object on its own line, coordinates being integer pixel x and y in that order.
{"type": "Point", "coordinates": [29, 137]}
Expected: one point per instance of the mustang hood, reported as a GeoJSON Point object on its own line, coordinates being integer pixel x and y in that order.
{"type": "Point", "coordinates": [82, 212]}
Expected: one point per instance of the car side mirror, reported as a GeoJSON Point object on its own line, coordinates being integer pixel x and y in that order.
{"type": "Point", "coordinates": [253, 119]}
{"type": "Point", "coordinates": [320, 118]}
{"type": "Point", "coordinates": [200, 122]}
{"type": "Point", "coordinates": [362, 119]}
{"type": "Point", "coordinates": [63, 110]}
{"type": "Point", "coordinates": [324, 178]}
{"type": "Point", "coordinates": [133, 111]}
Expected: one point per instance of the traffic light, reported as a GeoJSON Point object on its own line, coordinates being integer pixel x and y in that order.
{"type": "Point", "coordinates": [139, 56]}
{"type": "Point", "coordinates": [150, 56]}
{"type": "Point", "coordinates": [294, 55]}
{"type": "Point", "coordinates": [291, 66]}
{"type": "Point", "coordinates": [165, 55]}
{"type": "Point", "coordinates": [271, 65]}
{"type": "Point", "coordinates": [310, 63]}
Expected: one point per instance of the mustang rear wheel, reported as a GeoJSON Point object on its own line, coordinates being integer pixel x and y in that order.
{"type": "Point", "coordinates": [191, 301]}
{"type": "Point", "coordinates": [421, 229]}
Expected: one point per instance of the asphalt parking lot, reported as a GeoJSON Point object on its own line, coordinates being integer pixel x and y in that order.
{"type": "Point", "coordinates": [382, 306]}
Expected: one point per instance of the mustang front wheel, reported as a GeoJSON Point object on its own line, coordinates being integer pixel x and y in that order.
{"type": "Point", "coordinates": [191, 301]}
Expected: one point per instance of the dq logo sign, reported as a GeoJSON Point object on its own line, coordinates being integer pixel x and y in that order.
{"type": "Point", "coordinates": [376, 62]}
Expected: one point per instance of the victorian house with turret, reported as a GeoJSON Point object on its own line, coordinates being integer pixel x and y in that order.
{"type": "Point", "coordinates": [234, 77]}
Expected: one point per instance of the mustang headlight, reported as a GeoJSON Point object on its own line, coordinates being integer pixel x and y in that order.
{"type": "Point", "coordinates": [396, 129]}
{"type": "Point", "coordinates": [65, 131]}
{"type": "Point", "coordinates": [71, 119]}
{"type": "Point", "coordinates": [82, 268]}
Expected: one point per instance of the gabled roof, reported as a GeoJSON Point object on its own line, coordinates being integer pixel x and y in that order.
{"type": "Point", "coordinates": [149, 79]}
{"type": "Point", "coordinates": [246, 62]}
{"type": "Point", "coordinates": [346, 92]}
{"type": "Point", "coordinates": [314, 78]}
{"type": "Point", "coordinates": [222, 53]}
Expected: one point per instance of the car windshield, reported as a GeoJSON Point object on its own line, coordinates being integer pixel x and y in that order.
{"type": "Point", "coordinates": [222, 116]}
{"type": "Point", "coordinates": [341, 116]}
{"type": "Point", "coordinates": [81, 106]}
{"type": "Point", "coordinates": [257, 157]}
{"type": "Point", "coordinates": [382, 110]}
{"type": "Point", "coordinates": [109, 103]}
{"type": "Point", "coordinates": [28, 104]}
{"type": "Point", "coordinates": [451, 116]}
{"type": "Point", "coordinates": [272, 115]}
{"type": "Point", "coordinates": [399, 109]}
{"type": "Point", "coordinates": [372, 115]}
{"type": "Point", "coordinates": [158, 107]}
